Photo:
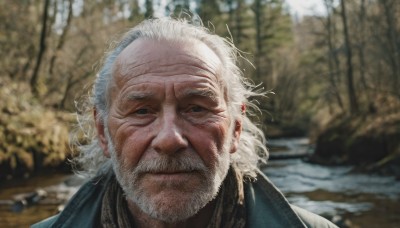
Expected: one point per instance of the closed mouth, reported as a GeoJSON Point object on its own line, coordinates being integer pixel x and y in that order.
{"type": "Point", "coordinates": [170, 172]}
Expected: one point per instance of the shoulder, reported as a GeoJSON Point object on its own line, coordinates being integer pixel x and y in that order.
{"type": "Point", "coordinates": [312, 220]}
{"type": "Point", "coordinates": [45, 223]}
{"type": "Point", "coordinates": [266, 204]}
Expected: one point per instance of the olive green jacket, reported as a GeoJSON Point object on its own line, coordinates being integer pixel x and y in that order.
{"type": "Point", "coordinates": [265, 205]}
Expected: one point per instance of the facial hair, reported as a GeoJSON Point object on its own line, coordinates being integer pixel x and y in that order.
{"type": "Point", "coordinates": [190, 198]}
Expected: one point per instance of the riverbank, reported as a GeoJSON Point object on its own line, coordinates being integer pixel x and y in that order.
{"type": "Point", "coordinates": [369, 142]}
{"type": "Point", "coordinates": [335, 192]}
{"type": "Point", "coordinates": [33, 213]}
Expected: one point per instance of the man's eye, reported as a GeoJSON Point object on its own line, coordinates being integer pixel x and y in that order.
{"type": "Point", "coordinates": [142, 111]}
{"type": "Point", "coordinates": [196, 109]}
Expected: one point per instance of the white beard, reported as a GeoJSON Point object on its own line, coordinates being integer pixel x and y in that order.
{"type": "Point", "coordinates": [189, 200]}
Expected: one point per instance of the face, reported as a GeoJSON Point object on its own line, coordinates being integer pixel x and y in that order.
{"type": "Point", "coordinates": [169, 133]}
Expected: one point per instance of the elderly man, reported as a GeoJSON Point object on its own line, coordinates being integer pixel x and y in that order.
{"type": "Point", "coordinates": [173, 145]}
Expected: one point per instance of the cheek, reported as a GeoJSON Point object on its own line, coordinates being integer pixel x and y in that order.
{"type": "Point", "coordinates": [208, 141]}
{"type": "Point", "coordinates": [130, 144]}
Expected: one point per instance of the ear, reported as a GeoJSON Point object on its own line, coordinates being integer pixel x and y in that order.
{"type": "Point", "coordinates": [101, 134]}
{"type": "Point", "coordinates": [236, 135]}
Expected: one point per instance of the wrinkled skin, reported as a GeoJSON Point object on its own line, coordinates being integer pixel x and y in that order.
{"type": "Point", "coordinates": [167, 103]}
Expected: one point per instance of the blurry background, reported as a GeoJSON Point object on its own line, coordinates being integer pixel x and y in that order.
{"type": "Point", "coordinates": [332, 118]}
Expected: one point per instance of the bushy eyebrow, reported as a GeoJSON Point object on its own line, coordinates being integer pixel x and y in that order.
{"type": "Point", "coordinates": [206, 93]}
{"type": "Point", "coordinates": [139, 96]}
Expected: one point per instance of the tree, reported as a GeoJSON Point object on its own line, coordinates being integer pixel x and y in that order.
{"type": "Point", "coordinates": [179, 9]}
{"type": "Point", "coordinates": [393, 43]}
{"type": "Point", "coordinates": [62, 38]}
{"type": "Point", "coordinates": [149, 9]}
{"type": "Point", "coordinates": [42, 49]}
{"type": "Point", "coordinates": [208, 11]}
{"type": "Point", "coordinates": [333, 61]}
{"type": "Point", "coordinates": [349, 55]}
{"type": "Point", "coordinates": [272, 31]}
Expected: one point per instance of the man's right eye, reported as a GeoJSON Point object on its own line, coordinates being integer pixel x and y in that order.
{"type": "Point", "coordinates": [142, 111]}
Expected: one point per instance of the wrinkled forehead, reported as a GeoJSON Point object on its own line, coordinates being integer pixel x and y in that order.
{"type": "Point", "coordinates": [147, 57]}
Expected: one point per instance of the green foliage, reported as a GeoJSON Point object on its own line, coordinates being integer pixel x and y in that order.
{"type": "Point", "coordinates": [241, 25]}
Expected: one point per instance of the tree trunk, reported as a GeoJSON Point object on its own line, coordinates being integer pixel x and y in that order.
{"type": "Point", "coordinates": [333, 69]}
{"type": "Point", "coordinates": [42, 49]}
{"type": "Point", "coordinates": [239, 23]}
{"type": "Point", "coordinates": [257, 14]}
{"type": "Point", "coordinates": [361, 51]}
{"type": "Point", "coordinates": [391, 35]}
{"type": "Point", "coordinates": [350, 80]}
{"type": "Point", "coordinates": [61, 41]}
{"type": "Point", "coordinates": [149, 9]}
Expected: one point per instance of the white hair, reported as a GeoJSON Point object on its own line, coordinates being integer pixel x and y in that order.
{"type": "Point", "coordinates": [251, 149]}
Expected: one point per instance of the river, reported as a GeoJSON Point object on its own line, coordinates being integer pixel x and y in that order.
{"type": "Point", "coordinates": [351, 199]}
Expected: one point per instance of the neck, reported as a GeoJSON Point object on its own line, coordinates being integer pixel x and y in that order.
{"type": "Point", "coordinates": [200, 219]}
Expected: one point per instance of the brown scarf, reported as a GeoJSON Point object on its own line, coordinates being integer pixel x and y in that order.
{"type": "Point", "coordinates": [114, 210]}
{"type": "Point", "coordinates": [229, 211]}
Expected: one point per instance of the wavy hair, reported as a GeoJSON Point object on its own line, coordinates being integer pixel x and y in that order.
{"type": "Point", "coordinates": [251, 150]}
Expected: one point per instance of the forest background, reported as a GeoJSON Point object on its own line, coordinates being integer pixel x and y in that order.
{"type": "Point", "coordinates": [333, 77]}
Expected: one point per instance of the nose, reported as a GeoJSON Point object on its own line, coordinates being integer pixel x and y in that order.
{"type": "Point", "coordinates": [169, 138]}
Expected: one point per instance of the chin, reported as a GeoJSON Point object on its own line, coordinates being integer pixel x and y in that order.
{"type": "Point", "coordinates": [169, 202]}
{"type": "Point", "coordinates": [172, 207]}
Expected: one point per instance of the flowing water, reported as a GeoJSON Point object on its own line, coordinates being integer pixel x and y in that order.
{"type": "Point", "coordinates": [350, 199]}
{"type": "Point", "coordinates": [58, 187]}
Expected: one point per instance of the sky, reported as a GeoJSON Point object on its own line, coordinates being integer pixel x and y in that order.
{"type": "Point", "coordinates": [306, 7]}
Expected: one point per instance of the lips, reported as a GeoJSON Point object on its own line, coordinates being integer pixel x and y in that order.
{"type": "Point", "coordinates": [167, 172]}
{"type": "Point", "coordinates": [170, 177]}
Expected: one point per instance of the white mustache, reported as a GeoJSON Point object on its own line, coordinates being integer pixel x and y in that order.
{"type": "Point", "coordinates": [169, 164]}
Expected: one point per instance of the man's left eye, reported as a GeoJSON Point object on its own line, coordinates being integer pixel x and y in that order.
{"type": "Point", "coordinates": [196, 109]}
